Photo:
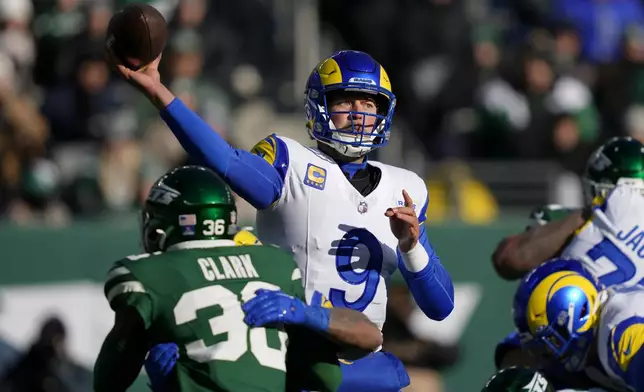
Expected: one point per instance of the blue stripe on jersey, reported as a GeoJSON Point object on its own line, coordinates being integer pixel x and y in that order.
{"type": "Point", "coordinates": [281, 157]}
{"type": "Point", "coordinates": [422, 215]}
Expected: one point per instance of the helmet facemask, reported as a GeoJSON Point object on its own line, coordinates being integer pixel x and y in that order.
{"type": "Point", "coordinates": [556, 342]}
{"type": "Point", "coordinates": [361, 137]}
{"type": "Point", "coordinates": [599, 190]}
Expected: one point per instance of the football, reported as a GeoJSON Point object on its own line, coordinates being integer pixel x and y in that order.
{"type": "Point", "coordinates": [136, 35]}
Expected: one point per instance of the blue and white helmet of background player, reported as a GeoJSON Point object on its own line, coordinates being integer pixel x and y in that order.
{"type": "Point", "coordinates": [349, 71]}
{"type": "Point", "coordinates": [556, 311]}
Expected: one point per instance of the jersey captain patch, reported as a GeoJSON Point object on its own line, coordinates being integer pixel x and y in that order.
{"type": "Point", "coordinates": [315, 177]}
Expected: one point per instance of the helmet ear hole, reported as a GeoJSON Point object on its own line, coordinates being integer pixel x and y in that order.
{"type": "Point", "coordinates": [161, 237]}
{"type": "Point", "coordinates": [154, 238]}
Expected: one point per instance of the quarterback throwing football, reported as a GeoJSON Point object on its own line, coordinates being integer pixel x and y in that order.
{"type": "Point", "coordinates": [349, 222]}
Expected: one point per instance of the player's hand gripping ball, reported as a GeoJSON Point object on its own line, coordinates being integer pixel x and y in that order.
{"type": "Point", "coordinates": [136, 35]}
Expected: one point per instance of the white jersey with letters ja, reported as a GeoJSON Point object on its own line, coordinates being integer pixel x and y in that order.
{"type": "Point", "coordinates": [341, 240]}
{"type": "Point", "coordinates": [611, 244]}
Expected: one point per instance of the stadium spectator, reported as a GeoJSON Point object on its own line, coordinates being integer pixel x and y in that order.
{"type": "Point", "coordinates": [45, 367]}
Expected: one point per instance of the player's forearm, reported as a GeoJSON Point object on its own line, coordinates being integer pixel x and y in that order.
{"type": "Point", "coordinates": [429, 282]}
{"type": "Point", "coordinates": [118, 363]}
{"type": "Point", "coordinates": [160, 96]}
{"type": "Point", "coordinates": [250, 176]}
{"type": "Point", "coordinates": [352, 328]}
{"type": "Point", "coordinates": [518, 254]}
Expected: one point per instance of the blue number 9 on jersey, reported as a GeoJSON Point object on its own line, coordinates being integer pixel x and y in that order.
{"type": "Point", "coordinates": [369, 278]}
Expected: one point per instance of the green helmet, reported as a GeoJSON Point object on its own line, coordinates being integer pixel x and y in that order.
{"type": "Point", "coordinates": [187, 204]}
{"type": "Point", "coordinates": [518, 379]}
{"type": "Point", "coordinates": [619, 160]}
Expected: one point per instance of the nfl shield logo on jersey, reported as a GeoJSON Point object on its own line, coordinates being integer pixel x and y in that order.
{"type": "Point", "coordinates": [362, 207]}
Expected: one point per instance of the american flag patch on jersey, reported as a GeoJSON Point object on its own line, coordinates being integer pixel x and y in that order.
{"type": "Point", "coordinates": [187, 224]}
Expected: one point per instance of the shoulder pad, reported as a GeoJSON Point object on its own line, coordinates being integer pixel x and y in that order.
{"type": "Point", "coordinates": [274, 151]}
{"type": "Point", "coordinates": [121, 280]}
{"type": "Point", "coordinates": [139, 256]}
{"type": "Point", "coordinates": [266, 148]}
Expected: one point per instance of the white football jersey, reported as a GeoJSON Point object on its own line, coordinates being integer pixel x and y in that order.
{"type": "Point", "coordinates": [341, 240]}
{"type": "Point", "coordinates": [611, 244]}
{"type": "Point", "coordinates": [621, 334]}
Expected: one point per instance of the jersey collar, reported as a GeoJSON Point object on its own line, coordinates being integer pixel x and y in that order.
{"type": "Point", "coordinates": [198, 244]}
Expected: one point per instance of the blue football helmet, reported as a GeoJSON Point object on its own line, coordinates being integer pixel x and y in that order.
{"type": "Point", "coordinates": [351, 71]}
{"type": "Point", "coordinates": [556, 309]}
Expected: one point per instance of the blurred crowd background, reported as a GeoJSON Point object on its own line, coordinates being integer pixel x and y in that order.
{"type": "Point", "coordinates": [500, 103]}
{"type": "Point", "coordinates": [487, 81]}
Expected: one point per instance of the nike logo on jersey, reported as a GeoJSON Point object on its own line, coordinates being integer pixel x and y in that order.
{"type": "Point", "coordinates": [628, 347]}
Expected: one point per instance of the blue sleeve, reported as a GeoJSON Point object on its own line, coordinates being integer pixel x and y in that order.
{"type": "Point", "coordinates": [249, 175]}
{"type": "Point", "coordinates": [422, 215]}
{"type": "Point", "coordinates": [431, 287]}
{"type": "Point", "coordinates": [509, 343]}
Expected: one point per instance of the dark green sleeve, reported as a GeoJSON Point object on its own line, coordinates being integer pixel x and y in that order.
{"type": "Point", "coordinates": [311, 362]}
{"type": "Point", "coordinates": [122, 354]}
{"type": "Point", "coordinates": [123, 289]}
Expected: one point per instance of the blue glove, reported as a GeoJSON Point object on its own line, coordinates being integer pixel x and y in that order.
{"type": "Point", "coordinates": [269, 307]}
{"type": "Point", "coordinates": [159, 363]}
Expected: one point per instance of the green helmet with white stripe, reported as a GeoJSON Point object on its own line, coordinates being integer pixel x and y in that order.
{"type": "Point", "coordinates": [190, 203]}
{"type": "Point", "coordinates": [618, 161]}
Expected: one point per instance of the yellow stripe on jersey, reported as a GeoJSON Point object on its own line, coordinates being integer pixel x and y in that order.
{"type": "Point", "coordinates": [326, 303]}
{"type": "Point", "coordinates": [597, 202]}
{"type": "Point", "coordinates": [628, 345]}
{"type": "Point", "coordinates": [267, 149]}
{"type": "Point", "coordinates": [584, 226]}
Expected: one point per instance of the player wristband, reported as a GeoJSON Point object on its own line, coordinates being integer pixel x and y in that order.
{"type": "Point", "coordinates": [416, 259]}
{"type": "Point", "coordinates": [317, 318]}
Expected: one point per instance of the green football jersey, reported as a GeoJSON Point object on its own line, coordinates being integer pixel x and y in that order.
{"type": "Point", "coordinates": [193, 297]}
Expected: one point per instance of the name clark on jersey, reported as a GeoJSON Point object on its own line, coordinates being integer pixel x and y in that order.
{"type": "Point", "coordinates": [228, 267]}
